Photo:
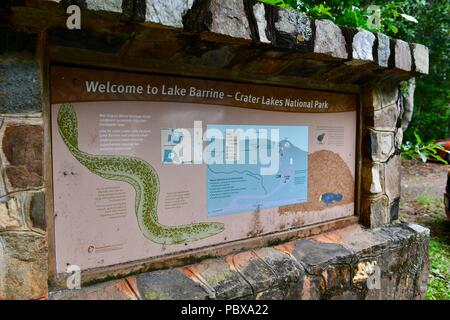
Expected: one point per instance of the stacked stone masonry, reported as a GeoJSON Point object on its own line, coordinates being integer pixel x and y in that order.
{"type": "Point", "coordinates": [23, 241]}
{"type": "Point", "coordinates": [381, 155]}
{"type": "Point", "coordinates": [336, 265]}
{"type": "Point", "coordinates": [241, 40]}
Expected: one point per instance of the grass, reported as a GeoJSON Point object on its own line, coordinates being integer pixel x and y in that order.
{"type": "Point", "coordinates": [425, 200]}
{"type": "Point", "coordinates": [439, 248]}
{"type": "Point", "coordinates": [439, 281]}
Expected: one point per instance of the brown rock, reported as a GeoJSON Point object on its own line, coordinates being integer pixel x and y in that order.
{"type": "Point", "coordinates": [23, 148]}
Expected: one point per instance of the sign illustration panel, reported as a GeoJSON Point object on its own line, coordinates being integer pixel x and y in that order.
{"type": "Point", "coordinates": [249, 185]}
{"type": "Point", "coordinates": [145, 166]}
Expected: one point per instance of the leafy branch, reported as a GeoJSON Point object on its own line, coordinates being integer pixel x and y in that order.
{"type": "Point", "coordinates": [353, 13]}
{"type": "Point", "coordinates": [422, 151]}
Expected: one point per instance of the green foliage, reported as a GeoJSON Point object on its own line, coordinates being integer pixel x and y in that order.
{"type": "Point", "coordinates": [354, 13]}
{"type": "Point", "coordinates": [416, 21]}
{"type": "Point", "coordinates": [420, 150]}
{"type": "Point", "coordinates": [439, 245]}
{"type": "Point", "coordinates": [439, 281]}
{"type": "Point", "coordinates": [431, 115]}
{"type": "Point", "coordinates": [424, 200]}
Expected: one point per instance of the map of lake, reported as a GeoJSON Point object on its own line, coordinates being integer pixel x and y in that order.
{"type": "Point", "coordinates": [238, 185]}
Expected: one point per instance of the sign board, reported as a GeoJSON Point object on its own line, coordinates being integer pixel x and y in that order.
{"type": "Point", "coordinates": [145, 166]}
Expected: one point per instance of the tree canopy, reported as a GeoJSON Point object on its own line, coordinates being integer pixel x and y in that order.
{"type": "Point", "coordinates": [415, 21]}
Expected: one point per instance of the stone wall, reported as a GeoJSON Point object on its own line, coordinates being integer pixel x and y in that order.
{"type": "Point", "coordinates": [343, 264]}
{"type": "Point", "coordinates": [381, 162]}
{"type": "Point", "coordinates": [238, 40]}
{"type": "Point", "coordinates": [23, 242]}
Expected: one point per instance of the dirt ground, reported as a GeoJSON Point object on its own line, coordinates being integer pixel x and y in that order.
{"type": "Point", "coordinates": [422, 202]}
{"type": "Point", "coordinates": [423, 186]}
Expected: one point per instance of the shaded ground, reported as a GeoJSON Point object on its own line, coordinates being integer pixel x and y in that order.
{"type": "Point", "coordinates": [423, 187]}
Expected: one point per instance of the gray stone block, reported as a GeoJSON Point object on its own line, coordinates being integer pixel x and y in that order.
{"type": "Point", "coordinates": [384, 50]}
{"type": "Point", "coordinates": [329, 40]}
{"type": "Point", "coordinates": [421, 58]}
{"type": "Point", "coordinates": [224, 281]}
{"type": "Point", "coordinates": [361, 241]}
{"type": "Point", "coordinates": [168, 13]}
{"type": "Point", "coordinates": [20, 85]}
{"type": "Point", "coordinates": [228, 17]}
{"type": "Point", "coordinates": [378, 209]}
{"type": "Point", "coordinates": [362, 46]}
{"type": "Point", "coordinates": [168, 284]}
{"type": "Point", "coordinates": [286, 269]}
{"type": "Point", "coordinates": [381, 145]}
{"type": "Point", "coordinates": [397, 233]}
{"type": "Point", "coordinates": [418, 229]}
{"type": "Point", "coordinates": [315, 256]}
{"type": "Point", "coordinates": [259, 13]}
{"type": "Point", "coordinates": [403, 59]}
{"type": "Point", "coordinates": [392, 177]}
{"type": "Point", "coordinates": [255, 271]}
{"type": "Point", "coordinates": [104, 5]}
{"type": "Point", "coordinates": [386, 119]}
{"type": "Point", "coordinates": [385, 94]}
{"type": "Point", "coordinates": [292, 29]}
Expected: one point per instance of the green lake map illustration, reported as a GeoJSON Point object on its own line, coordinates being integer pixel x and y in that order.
{"type": "Point", "coordinates": [144, 179]}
